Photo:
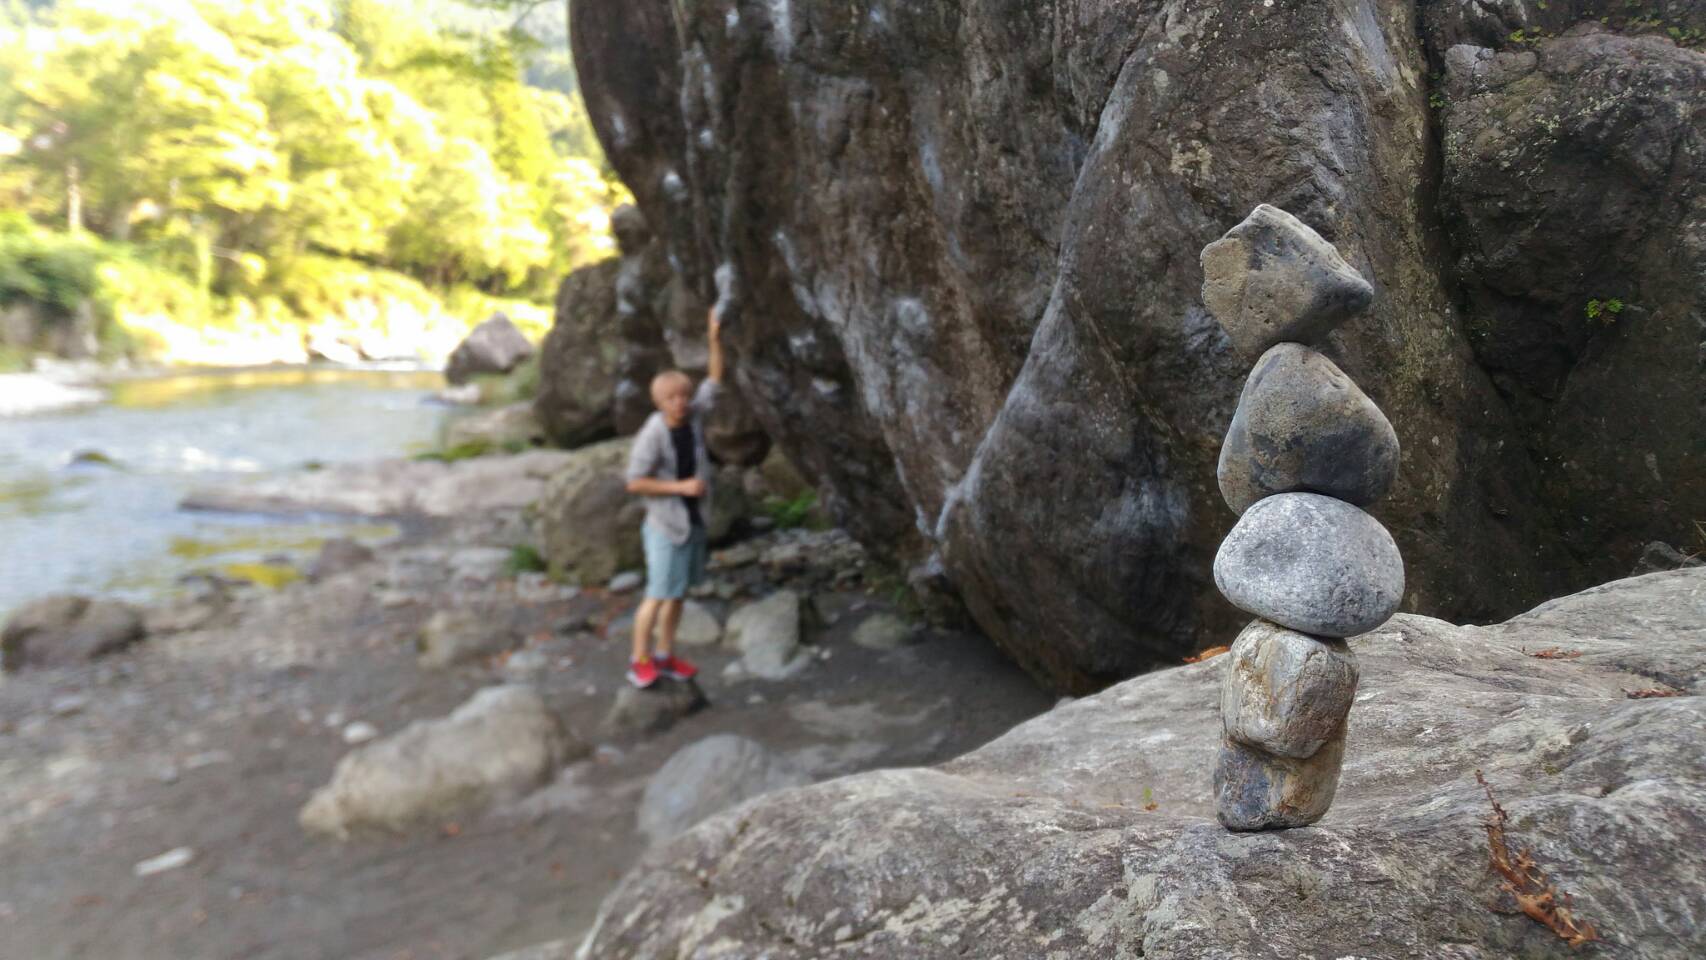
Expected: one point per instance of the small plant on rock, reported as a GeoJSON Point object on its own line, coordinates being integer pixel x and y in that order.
{"type": "Point", "coordinates": [1605, 311]}
{"type": "Point", "coordinates": [524, 558]}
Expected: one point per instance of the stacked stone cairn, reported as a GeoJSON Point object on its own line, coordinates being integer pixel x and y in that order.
{"type": "Point", "coordinates": [1306, 451]}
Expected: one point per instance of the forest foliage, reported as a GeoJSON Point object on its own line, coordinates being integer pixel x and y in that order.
{"type": "Point", "coordinates": [276, 167]}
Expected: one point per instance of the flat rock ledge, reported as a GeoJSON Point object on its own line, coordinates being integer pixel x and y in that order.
{"type": "Point", "coordinates": [1044, 843]}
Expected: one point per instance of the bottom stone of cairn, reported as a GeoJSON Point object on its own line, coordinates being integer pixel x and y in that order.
{"type": "Point", "coordinates": [1255, 790]}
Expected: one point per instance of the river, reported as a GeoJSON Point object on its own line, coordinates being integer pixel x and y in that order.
{"type": "Point", "coordinates": [89, 495]}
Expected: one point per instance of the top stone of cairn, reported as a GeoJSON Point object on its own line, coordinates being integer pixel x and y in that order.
{"type": "Point", "coordinates": [1272, 280]}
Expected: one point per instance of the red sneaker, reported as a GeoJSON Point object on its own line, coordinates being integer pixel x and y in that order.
{"type": "Point", "coordinates": [674, 666]}
{"type": "Point", "coordinates": [643, 674]}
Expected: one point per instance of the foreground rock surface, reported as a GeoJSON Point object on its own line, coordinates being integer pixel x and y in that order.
{"type": "Point", "coordinates": [1039, 844]}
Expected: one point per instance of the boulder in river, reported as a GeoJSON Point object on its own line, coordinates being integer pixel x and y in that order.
{"type": "Point", "coordinates": [580, 358]}
{"type": "Point", "coordinates": [767, 634]}
{"type": "Point", "coordinates": [67, 629]}
{"type": "Point", "coordinates": [495, 346]}
{"type": "Point", "coordinates": [1091, 829]}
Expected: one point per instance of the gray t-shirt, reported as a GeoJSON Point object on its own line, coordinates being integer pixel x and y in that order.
{"type": "Point", "coordinates": [653, 456]}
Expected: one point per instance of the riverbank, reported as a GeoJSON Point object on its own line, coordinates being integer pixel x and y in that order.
{"type": "Point", "coordinates": [212, 739]}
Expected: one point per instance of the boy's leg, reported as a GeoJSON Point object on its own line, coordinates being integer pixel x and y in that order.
{"type": "Point", "coordinates": [669, 617]}
{"type": "Point", "coordinates": [644, 617]}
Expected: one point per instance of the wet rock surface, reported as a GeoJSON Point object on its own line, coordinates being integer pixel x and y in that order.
{"type": "Point", "coordinates": [213, 737]}
{"type": "Point", "coordinates": [1093, 826]}
{"type": "Point", "coordinates": [1311, 563]}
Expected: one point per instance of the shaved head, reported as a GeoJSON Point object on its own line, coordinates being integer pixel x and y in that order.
{"type": "Point", "coordinates": [668, 382]}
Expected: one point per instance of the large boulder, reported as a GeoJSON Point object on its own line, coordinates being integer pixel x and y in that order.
{"type": "Point", "coordinates": [580, 357]}
{"type": "Point", "coordinates": [496, 346]}
{"type": "Point", "coordinates": [1089, 832]}
{"type": "Point", "coordinates": [64, 630]}
{"type": "Point", "coordinates": [959, 247]}
{"type": "Point", "coordinates": [500, 744]}
{"type": "Point", "coordinates": [1573, 192]}
{"type": "Point", "coordinates": [589, 521]}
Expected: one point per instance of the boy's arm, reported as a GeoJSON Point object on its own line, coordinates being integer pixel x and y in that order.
{"type": "Point", "coordinates": [714, 340]}
{"type": "Point", "coordinates": [706, 396]}
{"type": "Point", "coordinates": [643, 462]}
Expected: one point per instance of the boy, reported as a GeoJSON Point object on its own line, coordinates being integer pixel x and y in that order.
{"type": "Point", "coordinates": [668, 467]}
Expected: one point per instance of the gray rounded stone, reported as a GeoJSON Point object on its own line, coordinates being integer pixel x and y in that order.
{"type": "Point", "coordinates": [1311, 563]}
{"type": "Point", "coordinates": [1272, 279]}
{"type": "Point", "coordinates": [1303, 425]}
{"type": "Point", "coordinates": [1255, 790]}
{"type": "Point", "coordinates": [1284, 692]}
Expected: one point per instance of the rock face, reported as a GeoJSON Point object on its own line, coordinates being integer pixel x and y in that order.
{"type": "Point", "coordinates": [64, 630]}
{"type": "Point", "coordinates": [1311, 563]}
{"type": "Point", "coordinates": [578, 359]}
{"type": "Point", "coordinates": [501, 743]}
{"type": "Point", "coordinates": [1301, 424]}
{"type": "Point", "coordinates": [619, 323]}
{"type": "Point", "coordinates": [708, 777]}
{"type": "Point", "coordinates": [496, 346]}
{"type": "Point", "coordinates": [1042, 842]}
{"type": "Point", "coordinates": [958, 243]}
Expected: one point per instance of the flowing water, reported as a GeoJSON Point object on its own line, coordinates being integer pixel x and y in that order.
{"type": "Point", "coordinates": [89, 496]}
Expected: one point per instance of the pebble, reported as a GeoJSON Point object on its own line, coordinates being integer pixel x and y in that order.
{"type": "Point", "coordinates": [1314, 564]}
{"type": "Point", "coordinates": [1255, 790]}
{"type": "Point", "coordinates": [360, 732]}
{"type": "Point", "coordinates": [626, 581]}
{"type": "Point", "coordinates": [1302, 425]}
{"type": "Point", "coordinates": [68, 704]}
{"type": "Point", "coordinates": [170, 860]}
{"type": "Point", "coordinates": [1286, 693]}
{"type": "Point", "coordinates": [1272, 279]}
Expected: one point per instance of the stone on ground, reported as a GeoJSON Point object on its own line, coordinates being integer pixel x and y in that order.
{"type": "Point", "coordinates": [1272, 279]}
{"type": "Point", "coordinates": [707, 777]}
{"type": "Point", "coordinates": [338, 555]}
{"type": "Point", "coordinates": [655, 709]}
{"type": "Point", "coordinates": [1285, 692]}
{"type": "Point", "coordinates": [884, 631]}
{"type": "Point", "coordinates": [511, 426]}
{"type": "Point", "coordinates": [699, 627]}
{"type": "Point", "coordinates": [1054, 818]}
{"type": "Point", "coordinates": [1314, 564]}
{"type": "Point", "coordinates": [496, 346]}
{"type": "Point", "coordinates": [589, 522]}
{"type": "Point", "coordinates": [66, 629]}
{"type": "Point", "coordinates": [766, 633]}
{"type": "Point", "coordinates": [1302, 425]}
{"type": "Point", "coordinates": [497, 746]}
{"type": "Point", "coordinates": [457, 636]}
